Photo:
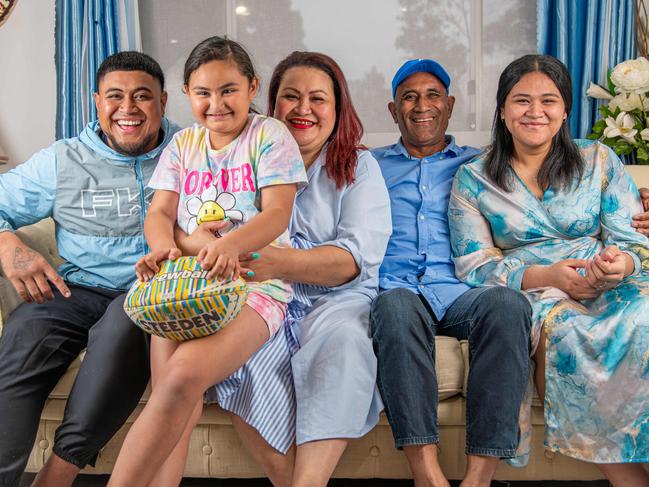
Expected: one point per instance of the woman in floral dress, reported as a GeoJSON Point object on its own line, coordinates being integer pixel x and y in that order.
{"type": "Point", "coordinates": [551, 217]}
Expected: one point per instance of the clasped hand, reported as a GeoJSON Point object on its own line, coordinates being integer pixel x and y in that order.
{"type": "Point", "coordinates": [605, 271]}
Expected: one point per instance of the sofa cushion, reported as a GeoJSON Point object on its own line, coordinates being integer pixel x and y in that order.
{"type": "Point", "coordinates": [449, 364]}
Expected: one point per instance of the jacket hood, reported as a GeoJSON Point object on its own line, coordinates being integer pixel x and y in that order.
{"type": "Point", "coordinates": [90, 136]}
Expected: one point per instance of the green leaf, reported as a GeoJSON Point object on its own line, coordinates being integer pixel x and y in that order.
{"type": "Point", "coordinates": [611, 86]}
{"type": "Point", "coordinates": [605, 111]}
{"type": "Point", "coordinates": [597, 132]}
{"type": "Point", "coordinates": [622, 147]}
{"type": "Point", "coordinates": [593, 136]}
{"type": "Point", "coordinates": [639, 121]}
{"type": "Point", "coordinates": [599, 126]}
{"type": "Point", "coordinates": [642, 154]}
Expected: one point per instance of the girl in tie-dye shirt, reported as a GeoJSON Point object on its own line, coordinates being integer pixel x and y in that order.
{"type": "Point", "coordinates": [235, 173]}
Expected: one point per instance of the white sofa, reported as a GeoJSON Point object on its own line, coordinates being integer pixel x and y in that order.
{"type": "Point", "coordinates": [215, 450]}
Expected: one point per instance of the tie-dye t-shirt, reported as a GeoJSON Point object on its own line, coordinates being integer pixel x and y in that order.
{"type": "Point", "coordinates": [214, 184]}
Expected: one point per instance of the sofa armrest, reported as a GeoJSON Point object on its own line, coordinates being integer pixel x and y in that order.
{"type": "Point", "coordinates": [39, 237]}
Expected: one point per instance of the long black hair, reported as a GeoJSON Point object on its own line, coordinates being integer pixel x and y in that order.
{"type": "Point", "coordinates": [564, 160]}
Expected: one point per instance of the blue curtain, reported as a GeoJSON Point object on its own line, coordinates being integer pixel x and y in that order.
{"type": "Point", "coordinates": [589, 37]}
{"type": "Point", "coordinates": [86, 33]}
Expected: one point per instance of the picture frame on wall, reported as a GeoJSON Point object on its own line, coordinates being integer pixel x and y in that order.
{"type": "Point", "coordinates": [6, 7]}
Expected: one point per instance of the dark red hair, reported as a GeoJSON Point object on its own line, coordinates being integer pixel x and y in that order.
{"type": "Point", "coordinates": [345, 140]}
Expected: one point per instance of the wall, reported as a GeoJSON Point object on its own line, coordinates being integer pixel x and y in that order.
{"type": "Point", "coordinates": [27, 80]}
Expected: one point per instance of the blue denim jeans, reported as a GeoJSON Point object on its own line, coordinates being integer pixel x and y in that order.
{"type": "Point", "coordinates": [496, 321]}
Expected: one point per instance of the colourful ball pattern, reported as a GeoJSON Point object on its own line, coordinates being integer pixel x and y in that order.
{"type": "Point", "coordinates": [180, 303]}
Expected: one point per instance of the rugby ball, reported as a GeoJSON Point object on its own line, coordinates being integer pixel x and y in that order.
{"type": "Point", "coordinates": [180, 303]}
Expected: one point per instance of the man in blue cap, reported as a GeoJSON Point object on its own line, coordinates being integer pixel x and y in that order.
{"type": "Point", "coordinates": [421, 297]}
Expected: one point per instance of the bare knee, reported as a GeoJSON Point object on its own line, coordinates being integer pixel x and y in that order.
{"type": "Point", "coordinates": [178, 385]}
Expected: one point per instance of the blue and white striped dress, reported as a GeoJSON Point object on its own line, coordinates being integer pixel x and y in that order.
{"type": "Point", "coordinates": [267, 403]}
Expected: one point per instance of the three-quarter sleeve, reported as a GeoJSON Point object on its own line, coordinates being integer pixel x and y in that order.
{"type": "Point", "coordinates": [365, 224]}
{"type": "Point", "coordinates": [478, 261]}
{"type": "Point", "coordinates": [620, 200]}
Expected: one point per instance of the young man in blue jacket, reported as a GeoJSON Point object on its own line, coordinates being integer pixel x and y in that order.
{"type": "Point", "coordinates": [94, 188]}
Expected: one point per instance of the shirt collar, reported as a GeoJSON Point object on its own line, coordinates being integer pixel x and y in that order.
{"type": "Point", "coordinates": [399, 149]}
{"type": "Point", "coordinates": [321, 160]}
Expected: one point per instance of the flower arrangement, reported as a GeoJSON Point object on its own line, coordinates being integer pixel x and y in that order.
{"type": "Point", "coordinates": [625, 118]}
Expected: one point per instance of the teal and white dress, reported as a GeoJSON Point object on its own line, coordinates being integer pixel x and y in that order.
{"type": "Point", "coordinates": [597, 360]}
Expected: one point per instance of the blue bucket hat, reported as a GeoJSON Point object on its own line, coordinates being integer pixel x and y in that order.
{"type": "Point", "coordinates": [418, 66]}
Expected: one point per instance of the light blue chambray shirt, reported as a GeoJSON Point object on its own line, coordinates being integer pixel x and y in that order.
{"type": "Point", "coordinates": [418, 257]}
{"type": "Point", "coordinates": [355, 218]}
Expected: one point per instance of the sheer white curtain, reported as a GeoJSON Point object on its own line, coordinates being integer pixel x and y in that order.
{"type": "Point", "coordinates": [474, 39]}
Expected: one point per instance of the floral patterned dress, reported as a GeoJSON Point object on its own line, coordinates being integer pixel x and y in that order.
{"type": "Point", "coordinates": [597, 360]}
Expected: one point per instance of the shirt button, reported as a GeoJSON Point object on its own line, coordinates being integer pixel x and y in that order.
{"type": "Point", "coordinates": [422, 217]}
{"type": "Point", "coordinates": [424, 187]}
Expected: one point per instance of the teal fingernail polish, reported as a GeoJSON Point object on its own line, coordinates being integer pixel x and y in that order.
{"type": "Point", "coordinates": [226, 219]}
{"type": "Point", "coordinates": [255, 255]}
{"type": "Point", "coordinates": [250, 274]}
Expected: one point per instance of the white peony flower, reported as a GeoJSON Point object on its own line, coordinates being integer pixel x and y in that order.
{"type": "Point", "coordinates": [632, 76]}
{"type": "Point", "coordinates": [627, 102]}
{"type": "Point", "coordinates": [621, 126]}
{"type": "Point", "coordinates": [596, 91]}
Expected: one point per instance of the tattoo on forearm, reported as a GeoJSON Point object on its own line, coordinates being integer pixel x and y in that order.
{"type": "Point", "coordinates": [23, 258]}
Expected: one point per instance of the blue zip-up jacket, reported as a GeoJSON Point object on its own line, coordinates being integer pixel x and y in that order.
{"type": "Point", "coordinates": [98, 199]}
